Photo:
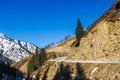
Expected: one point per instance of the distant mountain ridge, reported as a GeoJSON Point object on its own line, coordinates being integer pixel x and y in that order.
{"type": "Point", "coordinates": [15, 50]}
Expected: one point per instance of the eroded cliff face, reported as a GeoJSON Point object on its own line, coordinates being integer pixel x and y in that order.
{"type": "Point", "coordinates": [102, 42]}
{"type": "Point", "coordinates": [102, 38]}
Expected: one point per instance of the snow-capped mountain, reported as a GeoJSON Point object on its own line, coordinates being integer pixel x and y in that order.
{"type": "Point", "coordinates": [15, 50]}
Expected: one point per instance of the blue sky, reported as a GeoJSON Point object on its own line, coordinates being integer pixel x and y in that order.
{"type": "Point", "coordinates": [44, 21]}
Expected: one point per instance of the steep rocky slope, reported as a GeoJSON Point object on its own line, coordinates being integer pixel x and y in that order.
{"type": "Point", "coordinates": [77, 71]}
{"type": "Point", "coordinates": [100, 42]}
{"type": "Point", "coordinates": [102, 38]}
{"type": "Point", "coordinates": [15, 50]}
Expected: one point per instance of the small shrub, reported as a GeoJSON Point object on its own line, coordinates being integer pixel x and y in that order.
{"type": "Point", "coordinates": [54, 56]}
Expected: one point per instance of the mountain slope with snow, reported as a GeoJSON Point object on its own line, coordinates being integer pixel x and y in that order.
{"type": "Point", "coordinates": [15, 50]}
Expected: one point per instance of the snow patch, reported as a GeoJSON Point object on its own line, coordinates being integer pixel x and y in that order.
{"type": "Point", "coordinates": [90, 77]}
{"type": "Point", "coordinates": [94, 70]}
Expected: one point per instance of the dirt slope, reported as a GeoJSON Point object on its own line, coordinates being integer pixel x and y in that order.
{"type": "Point", "coordinates": [22, 65]}
{"type": "Point", "coordinates": [77, 71]}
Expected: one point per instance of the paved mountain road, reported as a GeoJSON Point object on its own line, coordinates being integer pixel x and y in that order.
{"type": "Point", "coordinates": [63, 59]}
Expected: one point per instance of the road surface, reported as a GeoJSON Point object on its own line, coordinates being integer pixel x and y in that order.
{"type": "Point", "coordinates": [63, 59]}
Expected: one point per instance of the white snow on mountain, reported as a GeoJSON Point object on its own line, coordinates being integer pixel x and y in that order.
{"type": "Point", "coordinates": [15, 50]}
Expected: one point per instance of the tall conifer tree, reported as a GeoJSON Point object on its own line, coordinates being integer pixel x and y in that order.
{"type": "Point", "coordinates": [79, 31]}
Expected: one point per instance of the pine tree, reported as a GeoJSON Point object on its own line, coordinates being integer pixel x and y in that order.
{"type": "Point", "coordinates": [37, 60]}
{"type": "Point", "coordinates": [30, 66]}
{"type": "Point", "coordinates": [42, 56]}
{"type": "Point", "coordinates": [79, 31]}
{"type": "Point", "coordinates": [54, 56]}
{"type": "Point", "coordinates": [36, 63]}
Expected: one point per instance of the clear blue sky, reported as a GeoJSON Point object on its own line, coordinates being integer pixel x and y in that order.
{"type": "Point", "coordinates": [44, 21]}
